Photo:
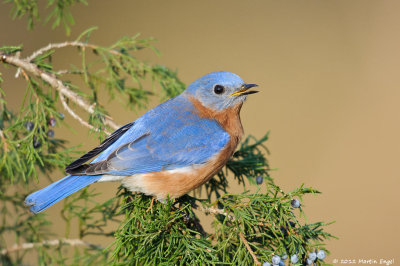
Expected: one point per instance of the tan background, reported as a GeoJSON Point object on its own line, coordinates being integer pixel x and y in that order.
{"type": "Point", "coordinates": [329, 76]}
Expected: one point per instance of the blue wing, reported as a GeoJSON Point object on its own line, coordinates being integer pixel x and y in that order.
{"type": "Point", "coordinates": [169, 136]}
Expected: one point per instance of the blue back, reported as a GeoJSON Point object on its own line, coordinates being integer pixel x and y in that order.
{"type": "Point", "coordinates": [167, 137]}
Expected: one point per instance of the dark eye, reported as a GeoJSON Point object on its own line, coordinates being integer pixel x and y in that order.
{"type": "Point", "coordinates": [219, 89]}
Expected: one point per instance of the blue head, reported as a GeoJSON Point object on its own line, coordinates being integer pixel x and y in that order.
{"type": "Point", "coordinates": [219, 90]}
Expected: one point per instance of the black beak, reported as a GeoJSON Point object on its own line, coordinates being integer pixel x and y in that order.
{"type": "Point", "coordinates": [246, 88]}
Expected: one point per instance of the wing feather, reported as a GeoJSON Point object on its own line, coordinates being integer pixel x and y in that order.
{"type": "Point", "coordinates": [75, 166]}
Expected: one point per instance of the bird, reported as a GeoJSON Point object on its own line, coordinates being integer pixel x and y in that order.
{"type": "Point", "coordinates": [167, 152]}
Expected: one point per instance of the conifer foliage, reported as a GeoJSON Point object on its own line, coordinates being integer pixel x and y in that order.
{"type": "Point", "coordinates": [262, 227]}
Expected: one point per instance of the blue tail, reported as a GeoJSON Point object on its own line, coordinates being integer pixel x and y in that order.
{"type": "Point", "coordinates": [44, 198]}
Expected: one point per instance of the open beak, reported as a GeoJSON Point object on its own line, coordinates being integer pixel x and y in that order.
{"type": "Point", "coordinates": [244, 90]}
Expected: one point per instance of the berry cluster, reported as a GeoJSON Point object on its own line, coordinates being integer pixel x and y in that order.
{"type": "Point", "coordinates": [294, 259]}
{"type": "Point", "coordinates": [312, 257]}
{"type": "Point", "coordinates": [29, 126]}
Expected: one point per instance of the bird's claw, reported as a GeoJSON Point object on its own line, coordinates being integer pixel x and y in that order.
{"type": "Point", "coordinates": [151, 206]}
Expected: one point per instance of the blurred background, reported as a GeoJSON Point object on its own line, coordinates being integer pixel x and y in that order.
{"type": "Point", "coordinates": [329, 78]}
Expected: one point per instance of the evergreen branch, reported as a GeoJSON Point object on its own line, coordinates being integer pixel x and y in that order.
{"type": "Point", "coordinates": [52, 46]}
{"type": "Point", "coordinates": [55, 83]}
{"type": "Point", "coordinates": [60, 12]}
{"type": "Point", "coordinates": [54, 242]}
{"type": "Point", "coordinates": [77, 117]}
{"type": "Point", "coordinates": [66, 71]}
{"type": "Point", "coordinates": [3, 140]}
{"type": "Point", "coordinates": [256, 261]}
{"type": "Point", "coordinates": [214, 211]}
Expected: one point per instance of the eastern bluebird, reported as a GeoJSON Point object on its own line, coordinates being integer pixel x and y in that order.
{"type": "Point", "coordinates": [169, 151]}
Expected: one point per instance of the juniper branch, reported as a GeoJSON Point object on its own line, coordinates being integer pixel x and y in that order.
{"type": "Point", "coordinates": [77, 117]}
{"type": "Point", "coordinates": [54, 83]}
{"type": "Point", "coordinates": [214, 211]}
{"type": "Point", "coordinates": [4, 141]}
{"type": "Point", "coordinates": [256, 261]}
{"type": "Point", "coordinates": [54, 242]}
{"type": "Point", "coordinates": [52, 46]}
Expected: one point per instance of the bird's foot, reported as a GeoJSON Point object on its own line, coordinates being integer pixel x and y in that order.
{"type": "Point", "coordinates": [151, 206]}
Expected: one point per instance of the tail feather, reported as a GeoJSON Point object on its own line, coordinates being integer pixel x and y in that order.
{"type": "Point", "coordinates": [44, 198]}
